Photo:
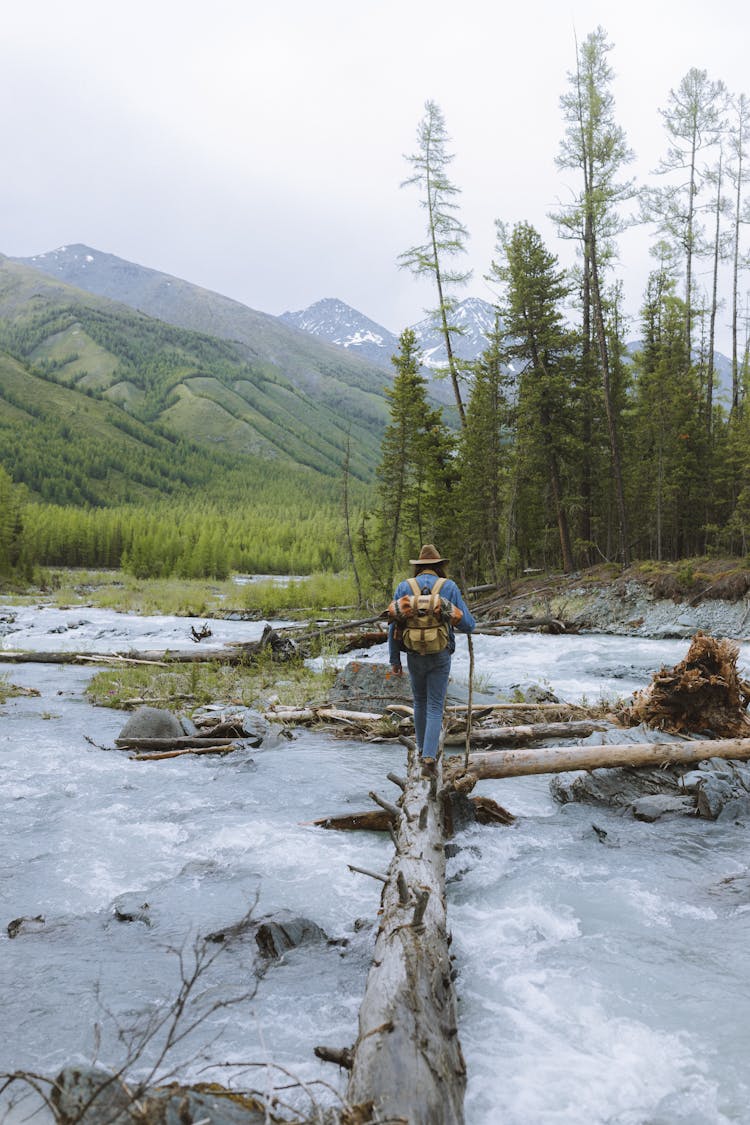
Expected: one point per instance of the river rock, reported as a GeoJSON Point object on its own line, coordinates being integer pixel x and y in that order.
{"type": "Point", "coordinates": [284, 930]}
{"type": "Point", "coordinates": [152, 722]}
{"type": "Point", "coordinates": [658, 805]}
{"type": "Point", "coordinates": [91, 1096]}
{"type": "Point", "coordinates": [25, 925]}
{"type": "Point", "coordinates": [615, 788]}
{"type": "Point", "coordinates": [369, 687]}
{"type": "Point", "coordinates": [132, 907]}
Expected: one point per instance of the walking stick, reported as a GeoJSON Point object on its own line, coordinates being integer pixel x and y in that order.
{"type": "Point", "coordinates": [471, 692]}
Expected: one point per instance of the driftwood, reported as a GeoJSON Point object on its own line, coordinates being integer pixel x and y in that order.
{"type": "Point", "coordinates": [559, 759]}
{"type": "Point", "coordinates": [534, 732]}
{"type": "Point", "coordinates": [160, 755]}
{"type": "Point", "coordinates": [179, 742]}
{"type": "Point", "coordinates": [702, 693]}
{"type": "Point", "coordinates": [486, 810]}
{"type": "Point", "coordinates": [407, 1064]}
{"type": "Point", "coordinates": [526, 624]}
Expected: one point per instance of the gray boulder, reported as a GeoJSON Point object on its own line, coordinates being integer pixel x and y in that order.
{"type": "Point", "coordinates": [614, 788]}
{"type": "Point", "coordinates": [369, 687]}
{"type": "Point", "coordinates": [659, 805]}
{"type": "Point", "coordinates": [91, 1096]}
{"type": "Point", "coordinates": [284, 930]}
{"type": "Point", "coordinates": [152, 722]}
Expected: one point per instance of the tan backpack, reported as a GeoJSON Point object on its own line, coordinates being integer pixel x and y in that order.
{"type": "Point", "coordinates": [425, 630]}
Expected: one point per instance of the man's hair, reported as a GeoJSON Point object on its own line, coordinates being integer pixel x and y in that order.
{"type": "Point", "coordinates": [438, 568]}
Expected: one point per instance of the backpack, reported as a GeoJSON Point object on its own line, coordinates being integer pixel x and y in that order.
{"type": "Point", "coordinates": [424, 630]}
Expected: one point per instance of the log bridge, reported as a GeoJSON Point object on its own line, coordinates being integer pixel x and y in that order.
{"type": "Point", "coordinates": [406, 1064]}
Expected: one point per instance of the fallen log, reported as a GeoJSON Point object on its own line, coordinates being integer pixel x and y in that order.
{"type": "Point", "coordinates": [178, 743]}
{"type": "Point", "coordinates": [407, 1064]}
{"type": "Point", "coordinates": [526, 624]}
{"type": "Point", "coordinates": [457, 708]}
{"type": "Point", "coordinates": [378, 820]}
{"type": "Point", "coordinates": [160, 755]}
{"type": "Point", "coordinates": [533, 732]}
{"type": "Point", "coordinates": [494, 764]}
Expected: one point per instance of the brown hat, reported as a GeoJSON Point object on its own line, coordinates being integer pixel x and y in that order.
{"type": "Point", "coordinates": [428, 554]}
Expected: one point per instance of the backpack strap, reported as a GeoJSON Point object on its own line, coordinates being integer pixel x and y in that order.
{"type": "Point", "coordinates": [437, 587]}
{"type": "Point", "coordinates": [414, 587]}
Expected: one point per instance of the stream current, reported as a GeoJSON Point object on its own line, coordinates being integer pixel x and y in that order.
{"type": "Point", "coordinates": [601, 961]}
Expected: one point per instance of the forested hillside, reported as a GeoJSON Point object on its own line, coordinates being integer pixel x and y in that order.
{"type": "Point", "coordinates": [127, 440]}
{"type": "Point", "coordinates": [192, 385]}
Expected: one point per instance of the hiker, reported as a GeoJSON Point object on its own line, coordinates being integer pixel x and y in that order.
{"type": "Point", "coordinates": [423, 615]}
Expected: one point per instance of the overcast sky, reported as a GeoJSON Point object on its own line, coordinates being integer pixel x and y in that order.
{"type": "Point", "coordinates": [257, 148]}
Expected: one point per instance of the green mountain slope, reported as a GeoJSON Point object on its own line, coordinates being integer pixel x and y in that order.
{"type": "Point", "coordinates": [325, 372]}
{"type": "Point", "coordinates": [182, 384]}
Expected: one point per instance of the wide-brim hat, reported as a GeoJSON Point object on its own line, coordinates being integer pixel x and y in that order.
{"type": "Point", "coordinates": [428, 554]}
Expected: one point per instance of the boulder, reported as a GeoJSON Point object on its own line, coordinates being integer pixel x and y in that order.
{"type": "Point", "coordinates": [369, 687]}
{"type": "Point", "coordinates": [614, 788]}
{"type": "Point", "coordinates": [284, 930]}
{"type": "Point", "coordinates": [658, 805]}
{"type": "Point", "coordinates": [152, 722]}
{"type": "Point", "coordinates": [91, 1096]}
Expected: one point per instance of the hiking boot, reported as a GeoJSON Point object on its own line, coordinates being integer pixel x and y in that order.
{"type": "Point", "coordinates": [429, 766]}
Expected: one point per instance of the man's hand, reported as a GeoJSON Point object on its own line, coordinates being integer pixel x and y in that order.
{"type": "Point", "coordinates": [397, 670]}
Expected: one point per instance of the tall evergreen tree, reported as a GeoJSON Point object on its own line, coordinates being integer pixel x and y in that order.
{"type": "Point", "coordinates": [668, 430]}
{"type": "Point", "coordinates": [738, 171]}
{"type": "Point", "coordinates": [535, 289]}
{"type": "Point", "coordinates": [482, 466]}
{"type": "Point", "coordinates": [693, 120]}
{"type": "Point", "coordinates": [446, 234]}
{"type": "Point", "coordinates": [596, 146]}
{"type": "Point", "coordinates": [415, 471]}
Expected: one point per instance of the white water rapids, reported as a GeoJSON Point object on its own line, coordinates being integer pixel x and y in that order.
{"type": "Point", "coordinates": [602, 978]}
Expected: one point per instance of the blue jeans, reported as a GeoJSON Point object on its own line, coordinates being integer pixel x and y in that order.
{"type": "Point", "coordinates": [429, 685]}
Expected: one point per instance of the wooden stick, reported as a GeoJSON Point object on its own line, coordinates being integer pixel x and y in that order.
{"type": "Point", "coordinates": [365, 871]}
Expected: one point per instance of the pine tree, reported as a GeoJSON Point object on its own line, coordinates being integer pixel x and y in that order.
{"type": "Point", "coordinates": [482, 466]}
{"type": "Point", "coordinates": [596, 146]}
{"type": "Point", "coordinates": [415, 471]}
{"type": "Point", "coordinates": [446, 234]}
{"type": "Point", "coordinates": [536, 334]}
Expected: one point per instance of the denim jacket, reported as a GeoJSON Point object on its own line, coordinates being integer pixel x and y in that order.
{"type": "Point", "coordinates": [450, 592]}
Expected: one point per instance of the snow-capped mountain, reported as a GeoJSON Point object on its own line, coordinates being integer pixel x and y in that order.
{"type": "Point", "coordinates": [475, 318]}
{"type": "Point", "coordinates": [338, 323]}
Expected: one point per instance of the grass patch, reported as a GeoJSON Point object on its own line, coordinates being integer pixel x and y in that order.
{"type": "Point", "coordinates": [190, 597]}
{"type": "Point", "coordinates": [187, 687]}
{"type": "Point", "coordinates": [317, 594]}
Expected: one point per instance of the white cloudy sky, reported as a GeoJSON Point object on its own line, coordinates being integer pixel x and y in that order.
{"type": "Point", "coordinates": [257, 148]}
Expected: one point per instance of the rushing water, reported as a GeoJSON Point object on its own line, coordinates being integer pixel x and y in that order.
{"type": "Point", "coordinates": [602, 974]}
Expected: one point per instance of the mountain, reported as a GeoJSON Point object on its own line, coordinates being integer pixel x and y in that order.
{"type": "Point", "coordinates": [474, 317]}
{"type": "Point", "coordinates": [338, 323]}
{"type": "Point", "coordinates": [124, 370]}
{"type": "Point", "coordinates": [320, 369]}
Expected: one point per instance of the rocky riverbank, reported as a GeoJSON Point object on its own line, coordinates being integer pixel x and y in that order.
{"type": "Point", "coordinates": [646, 600]}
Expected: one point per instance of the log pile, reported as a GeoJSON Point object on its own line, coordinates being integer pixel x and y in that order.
{"type": "Point", "coordinates": [700, 694]}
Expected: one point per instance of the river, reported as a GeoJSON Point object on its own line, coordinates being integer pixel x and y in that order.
{"type": "Point", "coordinates": [601, 970]}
